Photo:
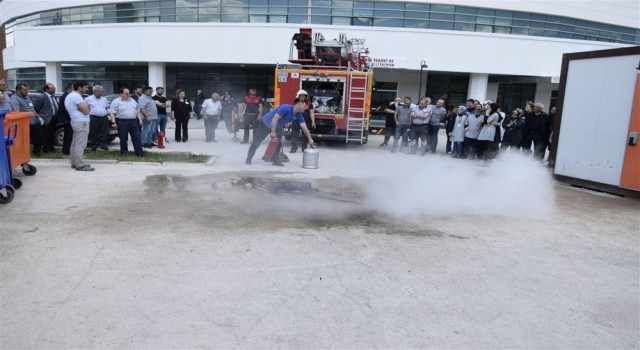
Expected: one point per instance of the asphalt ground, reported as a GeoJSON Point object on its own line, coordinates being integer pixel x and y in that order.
{"type": "Point", "coordinates": [385, 251]}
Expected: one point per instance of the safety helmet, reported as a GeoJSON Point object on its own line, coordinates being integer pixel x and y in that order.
{"type": "Point", "coordinates": [301, 92]}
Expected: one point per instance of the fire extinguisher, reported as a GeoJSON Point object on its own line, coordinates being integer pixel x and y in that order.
{"type": "Point", "coordinates": [161, 140]}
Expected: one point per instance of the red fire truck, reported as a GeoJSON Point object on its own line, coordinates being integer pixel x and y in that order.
{"type": "Point", "coordinates": [338, 77]}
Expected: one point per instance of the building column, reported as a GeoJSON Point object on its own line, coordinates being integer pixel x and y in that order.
{"type": "Point", "coordinates": [478, 84]}
{"type": "Point", "coordinates": [157, 74]}
{"type": "Point", "coordinates": [53, 75]}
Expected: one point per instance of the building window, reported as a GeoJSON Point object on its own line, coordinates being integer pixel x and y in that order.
{"type": "Point", "coordinates": [363, 8]}
{"type": "Point", "coordinates": [406, 14]}
{"type": "Point", "coordinates": [361, 21]}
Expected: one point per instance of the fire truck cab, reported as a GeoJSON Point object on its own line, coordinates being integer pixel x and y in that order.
{"type": "Point", "coordinates": [338, 77]}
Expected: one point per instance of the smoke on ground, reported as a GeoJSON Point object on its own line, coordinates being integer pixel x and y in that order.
{"type": "Point", "coordinates": [511, 186]}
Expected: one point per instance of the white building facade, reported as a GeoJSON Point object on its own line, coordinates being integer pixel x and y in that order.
{"type": "Point", "coordinates": [509, 51]}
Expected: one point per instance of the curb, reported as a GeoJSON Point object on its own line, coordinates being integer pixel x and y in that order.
{"type": "Point", "coordinates": [210, 162]}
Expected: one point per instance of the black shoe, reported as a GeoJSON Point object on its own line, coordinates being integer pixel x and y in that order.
{"type": "Point", "coordinates": [104, 148]}
{"type": "Point", "coordinates": [243, 142]}
{"type": "Point", "coordinates": [140, 155]}
{"type": "Point", "coordinates": [146, 145]}
{"type": "Point", "coordinates": [185, 140]}
{"type": "Point", "coordinates": [293, 150]}
{"type": "Point", "coordinates": [85, 167]}
{"type": "Point", "coordinates": [382, 144]}
{"type": "Point", "coordinates": [85, 164]}
{"type": "Point", "coordinates": [247, 162]}
{"type": "Point", "coordinates": [278, 164]}
{"type": "Point", "coordinates": [178, 140]}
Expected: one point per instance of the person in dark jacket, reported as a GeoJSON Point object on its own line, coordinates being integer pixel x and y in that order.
{"type": "Point", "coordinates": [448, 127]}
{"type": "Point", "coordinates": [552, 120]}
{"type": "Point", "coordinates": [390, 122]}
{"type": "Point", "coordinates": [512, 125]}
{"type": "Point", "coordinates": [536, 131]}
{"type": "Point", "coordinates": [198, 100]}
{"type": "Point", "coordinates": [64, 119]}
{"type": "Point", "coordinates": [181, 110]}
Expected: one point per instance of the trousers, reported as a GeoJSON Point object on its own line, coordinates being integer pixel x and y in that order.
{"type": "Point", "coordinates": [128, 127]}
{"type": "Point", "coordinates": [98, 131]}
{"type": "Point", "coordinates": [250, 122]}
{"type": "Point", "coordinates": [210, 126]}
{"type": "Point", "coordinates": [79, 142]}
{"type": "Point", "coordinates": [260, 134]}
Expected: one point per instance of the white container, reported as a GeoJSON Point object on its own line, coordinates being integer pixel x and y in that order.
{"type": "Point", "coordinates": [310, 158]}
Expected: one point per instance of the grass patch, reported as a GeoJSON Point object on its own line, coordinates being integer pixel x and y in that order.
{"type": "Point", "coordinates": [115, 155]}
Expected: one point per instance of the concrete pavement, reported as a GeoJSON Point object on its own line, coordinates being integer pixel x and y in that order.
{"type": "Point", "coordinates": [436, 253]}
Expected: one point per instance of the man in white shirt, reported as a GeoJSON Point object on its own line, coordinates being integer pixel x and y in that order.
{"type": "Point", "coordinates": [438, 116]}
{"type": "Point", "coordinates": [149, 112]}
{"type": "Point", "coordinates": [420, 115]}
{"type": "Point", "coordinates": [79, 114]}
{"type": "Point", "coordinates": [211, 110]}
{"type": "Point", "coordinates": [99, 124]}
{"type": "Point", "coordinates": [5, 96]}
{"type": "Point", "coordinates": [125, 111]}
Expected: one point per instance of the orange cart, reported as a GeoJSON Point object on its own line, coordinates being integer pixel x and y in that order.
{"type": "Point", "coordinates": [20, 152]}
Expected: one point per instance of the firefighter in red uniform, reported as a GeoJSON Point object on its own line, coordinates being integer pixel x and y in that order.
{"type": "Point", "coordinates": [251, 113]}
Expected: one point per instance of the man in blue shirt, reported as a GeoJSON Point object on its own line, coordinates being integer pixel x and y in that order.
{"type": "Point", "coordinates": [272, 124]}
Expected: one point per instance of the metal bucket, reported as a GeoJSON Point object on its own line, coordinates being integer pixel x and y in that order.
{"type": "Point", "coordinates": [310, 158]}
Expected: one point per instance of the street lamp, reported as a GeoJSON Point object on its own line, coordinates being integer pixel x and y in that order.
{"type": "Point", "coordinates": [423, 65]}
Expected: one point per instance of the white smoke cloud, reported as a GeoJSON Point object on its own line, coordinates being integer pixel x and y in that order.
{"type": "Point", "coordinates": [511, 186]}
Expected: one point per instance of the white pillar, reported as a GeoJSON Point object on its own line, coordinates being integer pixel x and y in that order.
{"type": "Point", "coordinates": [478, 83]}
{"type": "Point", "coordinates": [157, 75]}
{"type": "Point", "coordinates": [53, 75]}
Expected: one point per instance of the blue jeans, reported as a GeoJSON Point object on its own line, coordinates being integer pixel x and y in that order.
{"type": "Point", "coordinates": [147, 130]}
{"type": "Point", "coordinates": [128, 127]}
{"type": "Point", "coordinates": [226, 116]}
{"type": "Point", "coordinates": [401, 130]}
{"type": "Point", "coordinates": [432, 137]}
{"type": "Point", "coordinates": [457, 149]}
{"type": "Point", "coordinates": [197, 109]}
{"type": "Point", "coordinates": [162, 124]}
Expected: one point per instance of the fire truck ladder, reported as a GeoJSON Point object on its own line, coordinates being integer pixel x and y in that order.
{"type": "Point", "coordinates": [356, 116]}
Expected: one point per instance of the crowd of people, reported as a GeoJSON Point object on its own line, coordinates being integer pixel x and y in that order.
{"type": "Point", "coordinates": [140, 115]}
{"type": "Point", "coordinates": [474, 130]}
